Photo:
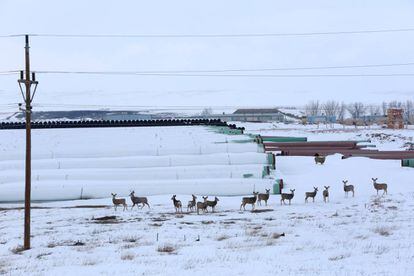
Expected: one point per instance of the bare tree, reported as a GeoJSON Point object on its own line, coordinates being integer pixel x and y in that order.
{"type": "Point", "coordinates": [207, 111]}
{"type": "Point", "coordinates": [374, 110]}
{"type": "Point", "coordinates": [356, 109]}
{"type": "Point", "coordinates": [341, 112]}
{"type": "Point", "coordinates": [384, 108]}
{"type": "Point", "coordinates": [331, 108]}
{"type": "Point", "coordinates": [313, 108]}
{"type": "Point", "coordinates": [395, 104]}
{"type": "Point", "coordinates": [409, 111]}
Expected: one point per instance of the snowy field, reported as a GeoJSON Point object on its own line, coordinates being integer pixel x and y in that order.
{"type": "Point", "coordinates": [362, 235]}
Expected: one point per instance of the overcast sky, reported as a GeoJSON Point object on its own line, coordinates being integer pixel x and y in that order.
{"type": "Point", "coordinates": [207, 17]}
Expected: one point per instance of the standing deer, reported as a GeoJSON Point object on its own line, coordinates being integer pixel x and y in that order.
{"type": "Point", "coordinates": [326, 194]}
{"type": "Point", "coordinates": [211, 204]}
{"type": "Point", "coordinates": [202, 206]}
{"type": "Point", "coordinates": [177, 204]}
{"type": "Point", "coordinates": [380, 186]}
{"type": "Point", "coordinates": [138, 200]}
{"type": "Point", "coordinates": [192, 203]}
{"type": "Point", "coordinates": [319, 159]}
{"type": "Point", "coordinates": [249, 200]}
{"type": "Point", "coordinates": [264, 197]}
{"type": "Point", "coordinates": [348, 188]}
{"type": "Point", "coordinates": [311, 194]}
{"type": "Point", "coordinates": [118, 201]}
{"type": "Point", "coordinates": [287, 196]}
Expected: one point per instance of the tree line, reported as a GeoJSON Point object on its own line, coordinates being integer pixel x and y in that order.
{"type": "Point", "coordinates": [357, 110]}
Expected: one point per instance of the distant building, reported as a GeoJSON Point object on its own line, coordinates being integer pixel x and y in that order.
{"type": "Point", "coordinates": [395, 118]}
{"type": "Point", "coordinates": [126, 115]}
{"type": "Point", "coordinates": [253, 115]}
{"type": "Point", "coordinates": [373, 119]}
{"type": "Point", "coordinates": [321, 119]}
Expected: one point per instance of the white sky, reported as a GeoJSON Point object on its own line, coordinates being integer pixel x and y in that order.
{"type": "Point", "coordinates": [206, 17]}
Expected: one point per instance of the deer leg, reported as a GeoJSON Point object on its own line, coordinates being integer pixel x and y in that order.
{"type": "Point", "coordinates": [313, 199]}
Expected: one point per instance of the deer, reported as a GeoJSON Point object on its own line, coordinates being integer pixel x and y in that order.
{"type": "Point", "coordinates": [380, 186]}
{"type": "Point", "coordinates": [177, 204]}
{"type": "Point", "coordinates": [211, 203]}
{"type": "Point", "coordinates": [325, 194]}
{"type": "Point", "coordinates": [202, 206]}
{"type": "Point", "coordinates": [119, 201]}
{"type": "Point", "coordinates": [138, 200]}
{"type": "Point", "coordinates": [192, 203]}
{"type": "Point", "coordinates": [311, 194]}
{"type": "Point", "coordinates": [319, 159]}
{"type": "Point", "coordinates": [285, 196]}
{"type": "Point", "coordinates": [348, 188]}
{"type": "Point", "coordinates": [264, 197]}
{"type": "Point", "coordinates": [249, 200]}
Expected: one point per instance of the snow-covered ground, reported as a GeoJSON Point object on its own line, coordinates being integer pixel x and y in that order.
{"type": "Point", "coordinates": [362, 235]}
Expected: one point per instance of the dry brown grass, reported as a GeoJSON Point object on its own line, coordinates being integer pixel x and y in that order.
{"type": "Point", "coordinates": [40, 256]}
{"type": "Point", "coordinates": [131, 239]}
{"type": "Point", "coordinates": [222, 237]}
{"type": "Point", "coordinates": [17, 250]}
{"type": "Point", "coordinates": [383, 231]}
{"type": "Point", "coordinates": [166, 249]}
{"type": "Point", "coordinates": [277, 235]}
{"type": "Point", "coordinates": [89, 262]}
{"type": "Point", "coordinates": [127, 256]}
{"type": "Point", "coordinates": [339, 257]}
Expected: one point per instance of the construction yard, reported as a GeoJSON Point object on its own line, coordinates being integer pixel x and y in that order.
{"type": "Point", "coordinates": [361, 235]}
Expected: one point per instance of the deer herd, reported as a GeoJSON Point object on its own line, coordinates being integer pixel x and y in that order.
{"type": "Point", "coordinates": [202, 206]}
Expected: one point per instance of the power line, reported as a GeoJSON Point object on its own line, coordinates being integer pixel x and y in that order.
{"type": "Point", "coordinates": [234, 69]}
{"type": "Point", "coordinates": [239, 35]}
{"type": "Point", "coordinates": [13, 72]}
{"type": "Point", "coordinates": [223, 75]}
{"type": "Point", "coordinates": [13, 35]}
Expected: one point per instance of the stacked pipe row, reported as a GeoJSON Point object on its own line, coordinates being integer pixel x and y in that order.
{"type": "Point", "coordinates": [90, 163]}
{"type": "Point", "coordinates": [324, 148]}
{"type": "Point", "coordinates": [117, 123]}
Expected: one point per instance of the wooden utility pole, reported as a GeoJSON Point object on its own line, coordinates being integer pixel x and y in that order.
{"type": "Point", "coordinates": [27, 97]}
